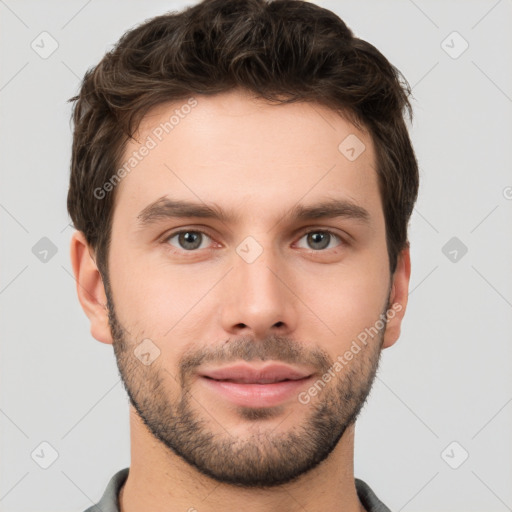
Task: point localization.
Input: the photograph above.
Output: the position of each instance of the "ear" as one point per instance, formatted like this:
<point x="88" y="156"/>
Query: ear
<point x="90" y="288"/>
<point x="398" y="298"/>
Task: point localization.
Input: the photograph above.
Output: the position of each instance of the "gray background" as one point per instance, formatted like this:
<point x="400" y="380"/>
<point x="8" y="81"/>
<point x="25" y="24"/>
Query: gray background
<point x="447" y="379"/>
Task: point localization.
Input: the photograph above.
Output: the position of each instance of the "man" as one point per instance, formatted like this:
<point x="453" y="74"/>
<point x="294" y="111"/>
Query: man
<point x="242" y="180"/>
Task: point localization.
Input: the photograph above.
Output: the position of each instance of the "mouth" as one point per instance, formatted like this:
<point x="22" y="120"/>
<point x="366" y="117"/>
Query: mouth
<point x="251" y="386"/>
<point x="249" y="374"/>
<point x="250" y="380"/>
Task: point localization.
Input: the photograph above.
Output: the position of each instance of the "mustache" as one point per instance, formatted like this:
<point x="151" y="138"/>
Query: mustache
<point x="273" y="347"/>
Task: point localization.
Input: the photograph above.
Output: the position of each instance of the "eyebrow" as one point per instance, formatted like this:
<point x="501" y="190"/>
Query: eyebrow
<point x="167" y="208"/>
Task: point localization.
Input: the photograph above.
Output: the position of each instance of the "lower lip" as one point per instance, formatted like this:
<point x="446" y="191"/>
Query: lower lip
<point x="257" y="395"/>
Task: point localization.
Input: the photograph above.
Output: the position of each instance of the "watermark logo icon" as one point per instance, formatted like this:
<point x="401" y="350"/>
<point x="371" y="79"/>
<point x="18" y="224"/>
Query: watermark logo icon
<point x="351" y="147"/>
<point x="44" y="455"/>
<point x="44" y="45"/>
<point x="454" y="45"/>
<point x="454" y="249"/>
<point x="44" y="250"/>
<point x="249" y="249"/>
<point x="146" y="352"/>
<point x="454" y="455"/>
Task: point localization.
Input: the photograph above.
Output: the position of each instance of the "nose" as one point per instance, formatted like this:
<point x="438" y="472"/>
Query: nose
<point x="258" y="297"/>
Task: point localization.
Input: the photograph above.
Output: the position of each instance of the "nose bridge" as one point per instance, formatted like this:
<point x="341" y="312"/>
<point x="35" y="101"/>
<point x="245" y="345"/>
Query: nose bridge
<point x="257" y="298"/>
<point x="256" y="268"/>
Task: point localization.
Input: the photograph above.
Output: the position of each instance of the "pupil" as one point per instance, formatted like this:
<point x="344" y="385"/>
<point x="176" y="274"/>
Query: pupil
<point x="319" y="238"/>
<point x="189" y="238"/>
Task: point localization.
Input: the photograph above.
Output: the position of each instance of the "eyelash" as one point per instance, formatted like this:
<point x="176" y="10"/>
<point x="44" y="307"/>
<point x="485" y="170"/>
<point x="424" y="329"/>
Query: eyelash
<point x="174" y="250"/>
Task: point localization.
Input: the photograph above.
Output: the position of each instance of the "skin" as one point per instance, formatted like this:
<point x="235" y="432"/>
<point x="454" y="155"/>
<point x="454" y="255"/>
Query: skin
<point x="258" y="161"/>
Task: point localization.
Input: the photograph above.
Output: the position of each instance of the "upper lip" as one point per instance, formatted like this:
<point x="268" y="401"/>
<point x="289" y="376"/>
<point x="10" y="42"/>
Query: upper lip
<point x="248" y="374"/>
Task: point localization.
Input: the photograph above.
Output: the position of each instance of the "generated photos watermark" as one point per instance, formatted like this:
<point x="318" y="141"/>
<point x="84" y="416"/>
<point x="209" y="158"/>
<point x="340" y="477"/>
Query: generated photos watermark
<point x="304" y="397"/>
<point x="151" y="142"/>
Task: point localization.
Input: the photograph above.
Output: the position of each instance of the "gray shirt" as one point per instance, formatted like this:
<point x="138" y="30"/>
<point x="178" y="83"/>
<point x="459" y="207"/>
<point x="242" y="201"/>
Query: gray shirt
<point x="109" y="503"/>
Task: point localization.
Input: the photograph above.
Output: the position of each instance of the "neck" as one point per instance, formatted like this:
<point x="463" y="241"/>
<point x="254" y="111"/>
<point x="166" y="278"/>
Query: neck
<point x="161" y="481"/>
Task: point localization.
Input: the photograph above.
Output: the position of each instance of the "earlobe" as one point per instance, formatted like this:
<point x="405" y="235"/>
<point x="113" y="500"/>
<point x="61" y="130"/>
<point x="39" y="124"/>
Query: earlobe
<point x="398" y="298"/>
<point x="90" y="287"/>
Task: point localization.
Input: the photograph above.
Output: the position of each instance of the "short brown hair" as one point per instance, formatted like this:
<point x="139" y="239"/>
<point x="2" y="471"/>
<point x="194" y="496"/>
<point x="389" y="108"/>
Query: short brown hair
<point x="282" y="50"/>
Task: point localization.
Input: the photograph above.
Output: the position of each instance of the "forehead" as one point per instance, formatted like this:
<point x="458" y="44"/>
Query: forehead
<point x="244" y="153"/>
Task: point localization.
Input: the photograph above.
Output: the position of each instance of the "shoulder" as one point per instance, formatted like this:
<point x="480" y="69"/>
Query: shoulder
<point x="109" y="502"/>
<point x="368" y="498"/>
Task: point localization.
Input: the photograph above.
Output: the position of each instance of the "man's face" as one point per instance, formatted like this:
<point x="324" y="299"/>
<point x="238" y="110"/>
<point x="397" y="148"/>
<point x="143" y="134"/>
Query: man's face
<point x="222" y="331"/>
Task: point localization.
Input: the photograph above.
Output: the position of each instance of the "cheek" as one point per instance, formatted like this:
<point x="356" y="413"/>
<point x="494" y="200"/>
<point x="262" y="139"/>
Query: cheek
<point x="156" y="300"/>
<point x="349" y="300"/>
<point x="350" y="307"/>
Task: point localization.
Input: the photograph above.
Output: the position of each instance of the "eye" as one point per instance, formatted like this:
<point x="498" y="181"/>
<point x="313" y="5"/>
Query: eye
<point x="188" y="240"/>
<point x="320" y="239"/>
<point x="191" y="240"/>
